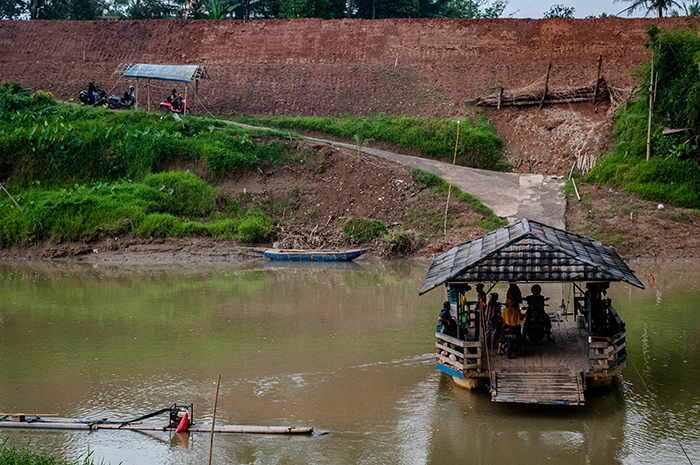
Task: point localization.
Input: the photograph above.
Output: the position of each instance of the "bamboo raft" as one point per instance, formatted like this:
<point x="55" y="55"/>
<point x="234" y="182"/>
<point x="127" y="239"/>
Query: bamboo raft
<point x="39" y="422"/>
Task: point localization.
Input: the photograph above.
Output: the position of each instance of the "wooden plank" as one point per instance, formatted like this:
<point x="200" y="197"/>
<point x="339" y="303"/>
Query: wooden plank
<point x="450" y="339"/>
<point x="451" y="363"/>
<point x="449" y="350"/>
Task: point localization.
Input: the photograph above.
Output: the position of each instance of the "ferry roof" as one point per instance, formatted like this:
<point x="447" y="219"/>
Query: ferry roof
<point x="528" y="251"/>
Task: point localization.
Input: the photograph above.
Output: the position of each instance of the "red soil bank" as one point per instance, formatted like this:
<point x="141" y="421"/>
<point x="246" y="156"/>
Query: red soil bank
<point x="315" y="67"/>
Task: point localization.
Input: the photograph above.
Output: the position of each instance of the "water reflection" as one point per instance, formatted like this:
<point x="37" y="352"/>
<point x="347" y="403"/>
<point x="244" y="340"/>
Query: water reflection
<point x="344" y="350"/>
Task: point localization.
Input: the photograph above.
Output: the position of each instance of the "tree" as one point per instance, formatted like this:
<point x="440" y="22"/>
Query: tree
<point x="12" y="9"/>
<point x="83" y="9"/>
<point x="150" y="9"/>
<point x="213" y="9"/>
<point x="649" y="5"/>
<point x="379" y="9"/>
<point x="560" y="11"/>
<point x="324" y="9"/>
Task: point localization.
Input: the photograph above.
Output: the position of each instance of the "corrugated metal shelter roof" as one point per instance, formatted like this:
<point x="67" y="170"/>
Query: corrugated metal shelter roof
<point x="528" y="251"/>
<point x="184" y="73"/>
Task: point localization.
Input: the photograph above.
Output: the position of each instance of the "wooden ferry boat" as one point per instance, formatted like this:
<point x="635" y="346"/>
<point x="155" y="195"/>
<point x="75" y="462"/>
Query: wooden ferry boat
<point x="587" y="350"/>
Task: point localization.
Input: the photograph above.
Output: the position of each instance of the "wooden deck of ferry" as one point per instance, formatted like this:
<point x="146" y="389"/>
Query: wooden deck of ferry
<point x="546" y="373"/>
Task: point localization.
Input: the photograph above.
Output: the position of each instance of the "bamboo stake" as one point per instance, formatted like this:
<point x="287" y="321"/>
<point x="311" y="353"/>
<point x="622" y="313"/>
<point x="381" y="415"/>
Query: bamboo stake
<point x="449" y="189"/>
<point x="213" y="420"/>
<point x="651" y="105"/>
<point x="597" y="79"/>
<point x="500" y="98"/>
<point x="576" y="189"/>
<point x="13" y="199"/>
<point x="546" y="86"/>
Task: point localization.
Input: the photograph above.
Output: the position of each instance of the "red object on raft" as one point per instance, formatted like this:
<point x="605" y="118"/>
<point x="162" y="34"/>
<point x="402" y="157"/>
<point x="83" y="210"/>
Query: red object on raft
<point x="184" y="423"/>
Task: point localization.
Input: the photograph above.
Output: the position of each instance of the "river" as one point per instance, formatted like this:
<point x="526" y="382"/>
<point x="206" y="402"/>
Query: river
<point x="347" y="351"/>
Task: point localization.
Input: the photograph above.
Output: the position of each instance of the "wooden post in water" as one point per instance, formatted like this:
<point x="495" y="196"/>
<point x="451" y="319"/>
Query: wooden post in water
<point x="213" y="420"/>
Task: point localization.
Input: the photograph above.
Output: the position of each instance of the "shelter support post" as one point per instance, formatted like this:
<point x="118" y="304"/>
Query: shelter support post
<point x="148" y="94"/>
<point x="136" y="95"/>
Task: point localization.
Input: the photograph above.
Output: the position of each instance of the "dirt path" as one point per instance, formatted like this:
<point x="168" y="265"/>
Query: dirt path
<point x="510" y="195"/>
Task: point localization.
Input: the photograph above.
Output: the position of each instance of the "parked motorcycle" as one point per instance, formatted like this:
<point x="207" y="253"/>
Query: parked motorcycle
<point x="510" y="341"/>
<point x="116" y="101"/>
<point x="535" y="329"/>
<point x="167" y="107"/>
<point x="87" y="99"/>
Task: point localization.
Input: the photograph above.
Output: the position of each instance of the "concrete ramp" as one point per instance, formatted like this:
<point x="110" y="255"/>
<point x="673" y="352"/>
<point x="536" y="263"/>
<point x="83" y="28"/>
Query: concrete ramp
<point x="538" y="388"/>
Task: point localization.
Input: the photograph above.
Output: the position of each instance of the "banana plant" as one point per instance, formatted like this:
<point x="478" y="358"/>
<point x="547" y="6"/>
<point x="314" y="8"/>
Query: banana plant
<point x="215" y="10"/>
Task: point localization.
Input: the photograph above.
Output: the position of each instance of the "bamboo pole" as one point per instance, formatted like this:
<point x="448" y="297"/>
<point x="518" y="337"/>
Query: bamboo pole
<point x="597" y="79"/>
<point x="500" y="99"/>
<point x="10" y="195"/>
<point x="576" y="189"/>
<point x="449" y="189"/>
<point x="546" y="85"/>
<point x="651" y="106"/>
<point x="213" y="420"/>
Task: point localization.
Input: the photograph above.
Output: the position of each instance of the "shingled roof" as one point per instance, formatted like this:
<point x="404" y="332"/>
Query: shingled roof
<point x="528" y="251"/>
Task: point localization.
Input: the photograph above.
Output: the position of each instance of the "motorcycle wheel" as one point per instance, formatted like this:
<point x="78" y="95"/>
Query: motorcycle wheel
<point x="187" y="111"/>
<point x="510" y="348"/>
<point x="112" y="105"/>
<point x="164" y="109"/>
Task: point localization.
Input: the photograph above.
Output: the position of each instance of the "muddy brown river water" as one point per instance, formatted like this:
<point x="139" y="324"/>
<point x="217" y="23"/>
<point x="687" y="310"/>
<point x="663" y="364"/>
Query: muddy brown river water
<point x="348" y="351"/>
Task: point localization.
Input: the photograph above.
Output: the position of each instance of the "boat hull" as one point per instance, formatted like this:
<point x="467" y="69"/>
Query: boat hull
<point x="311" y="256"/>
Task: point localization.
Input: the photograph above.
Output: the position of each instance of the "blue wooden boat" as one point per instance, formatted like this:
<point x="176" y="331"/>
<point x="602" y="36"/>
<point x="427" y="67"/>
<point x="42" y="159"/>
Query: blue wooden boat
<point x="287" y="255"/>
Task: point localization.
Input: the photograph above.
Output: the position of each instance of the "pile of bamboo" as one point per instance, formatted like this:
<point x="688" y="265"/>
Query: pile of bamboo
<point x="539" y="93"/>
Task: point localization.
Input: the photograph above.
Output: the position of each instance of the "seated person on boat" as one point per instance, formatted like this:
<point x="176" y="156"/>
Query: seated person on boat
<point x="535" y="309"/>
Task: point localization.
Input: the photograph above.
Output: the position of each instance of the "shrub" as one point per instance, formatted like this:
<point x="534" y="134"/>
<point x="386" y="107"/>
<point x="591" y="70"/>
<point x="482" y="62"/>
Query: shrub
<point x="255" y="227"/>
<point x="363" y="230"/>
<point x="159" y="225"/>
<point x="187" y="195"/>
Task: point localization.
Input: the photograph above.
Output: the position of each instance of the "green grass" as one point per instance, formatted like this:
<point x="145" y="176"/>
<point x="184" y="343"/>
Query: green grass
<point x="360" y="230"/>
<point x="28" y="456"/>
<point x="664" y="178"/>
<point x="489" y="220"/>
<point x="479" y="145"/>
<point x="58" y="144"/>
<point x="166" y="204"/>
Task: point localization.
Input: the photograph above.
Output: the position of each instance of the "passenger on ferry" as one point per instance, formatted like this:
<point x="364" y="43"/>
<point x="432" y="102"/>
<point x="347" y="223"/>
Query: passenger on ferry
<point x="449" y="325"/>
<point x="480" y="307"/>
<point x="511" y="314"/>
<point x="493" y="321"/>
<point x="535" y="309"/>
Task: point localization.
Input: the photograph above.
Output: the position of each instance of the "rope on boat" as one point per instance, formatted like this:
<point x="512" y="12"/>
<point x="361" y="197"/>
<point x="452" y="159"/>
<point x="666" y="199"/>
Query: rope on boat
<point x="663" y="415"/>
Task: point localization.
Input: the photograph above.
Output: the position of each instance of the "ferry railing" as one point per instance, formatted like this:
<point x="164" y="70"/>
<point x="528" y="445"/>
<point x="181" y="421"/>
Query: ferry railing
<point x="459" y="355"/>
<point x="608" y="355"/>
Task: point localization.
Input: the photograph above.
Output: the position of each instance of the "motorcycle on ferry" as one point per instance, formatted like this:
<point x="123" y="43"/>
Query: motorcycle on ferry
<point x="510" y="341"/>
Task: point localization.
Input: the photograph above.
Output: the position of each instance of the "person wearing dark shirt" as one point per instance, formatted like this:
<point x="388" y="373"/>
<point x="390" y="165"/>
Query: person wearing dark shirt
<point x="128" y="96"/>
<point x="535" y="309"/>
<point x="92" y="90"/>
<point x="449" y="325"/>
